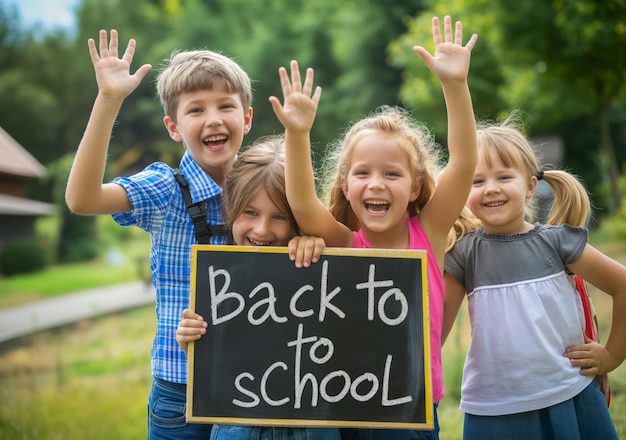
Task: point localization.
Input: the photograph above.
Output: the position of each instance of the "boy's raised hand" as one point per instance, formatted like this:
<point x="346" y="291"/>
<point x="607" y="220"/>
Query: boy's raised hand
<point x="113" y="73"/>
<point x="451" y="60"/>
<point x="298" y="112"/>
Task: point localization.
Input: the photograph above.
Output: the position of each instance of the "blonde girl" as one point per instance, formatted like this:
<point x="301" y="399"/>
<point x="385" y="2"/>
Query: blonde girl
<point x="530" y="371"/>
<point x="385" y="184"/>
<point x="257" y="214"/>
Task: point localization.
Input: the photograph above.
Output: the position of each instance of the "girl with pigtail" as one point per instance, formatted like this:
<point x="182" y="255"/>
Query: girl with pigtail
<point x="530" y="370"/>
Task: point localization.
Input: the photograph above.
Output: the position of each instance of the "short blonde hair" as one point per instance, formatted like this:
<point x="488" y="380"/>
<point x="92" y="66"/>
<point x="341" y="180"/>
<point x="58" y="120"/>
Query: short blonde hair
<point x="508" y="142"/>
<point x="193" y="70"/>
<point x="260" y="166"/>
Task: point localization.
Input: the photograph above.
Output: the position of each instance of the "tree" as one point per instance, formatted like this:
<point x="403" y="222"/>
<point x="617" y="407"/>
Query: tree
<point x="78" y="235"/>
<point x="421" y="90"/>
<point x="560" y="62"/>
<point x="580" y="46"/>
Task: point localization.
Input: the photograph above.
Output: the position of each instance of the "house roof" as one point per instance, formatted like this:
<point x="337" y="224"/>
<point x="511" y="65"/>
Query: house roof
<point x="10" y="205"/>
<point x="16" y="161"/>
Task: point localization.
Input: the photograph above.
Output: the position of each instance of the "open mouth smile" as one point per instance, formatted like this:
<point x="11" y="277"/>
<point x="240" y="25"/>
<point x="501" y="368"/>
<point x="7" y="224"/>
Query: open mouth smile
<point x="215" y="142"/>
<point x="258" y="243"/>
<point x="494" y="204"/>
<point x="376" y="206"/>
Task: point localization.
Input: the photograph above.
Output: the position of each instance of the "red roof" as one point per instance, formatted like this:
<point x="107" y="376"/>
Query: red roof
<point x="15" y="160"/>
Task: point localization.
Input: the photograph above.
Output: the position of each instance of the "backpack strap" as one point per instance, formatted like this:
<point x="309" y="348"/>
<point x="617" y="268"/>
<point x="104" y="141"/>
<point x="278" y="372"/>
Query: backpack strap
<point x="197" y="211"/>
<point x="591" y="326"/>
<point x="591" y="331"/>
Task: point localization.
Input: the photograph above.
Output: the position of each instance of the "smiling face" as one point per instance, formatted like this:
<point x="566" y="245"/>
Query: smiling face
<point x="379" y="184"/>
<point x="262" y="224"/>
<point x="499" y="195"/>
<point x="211" y="124"/>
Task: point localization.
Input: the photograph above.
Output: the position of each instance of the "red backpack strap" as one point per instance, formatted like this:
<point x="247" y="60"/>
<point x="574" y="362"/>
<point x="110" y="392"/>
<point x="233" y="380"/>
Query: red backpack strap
<point x="590" y="325"/>
<point x="591" y="331"/>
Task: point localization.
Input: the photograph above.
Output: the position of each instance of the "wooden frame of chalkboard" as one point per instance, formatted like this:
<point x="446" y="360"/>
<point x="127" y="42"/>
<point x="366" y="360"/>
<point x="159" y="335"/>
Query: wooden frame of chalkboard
<point x="342" y="343"/>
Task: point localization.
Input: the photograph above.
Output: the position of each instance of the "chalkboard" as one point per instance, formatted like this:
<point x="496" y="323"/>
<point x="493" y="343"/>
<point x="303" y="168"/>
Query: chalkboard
<point x="343" y="343"/>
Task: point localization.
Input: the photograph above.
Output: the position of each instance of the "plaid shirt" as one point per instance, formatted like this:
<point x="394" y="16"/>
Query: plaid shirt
<point x="159" y="209"/>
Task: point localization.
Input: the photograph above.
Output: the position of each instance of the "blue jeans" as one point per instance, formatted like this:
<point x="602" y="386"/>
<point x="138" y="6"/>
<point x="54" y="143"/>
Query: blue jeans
<point x="583" y="417"/>
<point x="232" y="432"/>
<point x="392" y="434"/>
<point x="167" y="411"/>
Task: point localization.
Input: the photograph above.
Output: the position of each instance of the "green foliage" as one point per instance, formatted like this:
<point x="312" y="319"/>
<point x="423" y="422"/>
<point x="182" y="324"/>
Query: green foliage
<point x="564" y="65"/>
<point x="580" y="47"/>
<point x="23" y="256"/>
<point x="77" y="236"/>
<point x="558" y="64"/>
<point x="618" y="223"/>
<point x="77" y="240"/>
<point x="421" y="90"/>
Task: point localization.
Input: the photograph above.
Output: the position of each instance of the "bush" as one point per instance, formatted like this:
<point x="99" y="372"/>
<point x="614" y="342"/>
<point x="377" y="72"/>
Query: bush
<point x="619" y="221"/>
<point x="78" y="238"/>
<point x="23" y="256"/>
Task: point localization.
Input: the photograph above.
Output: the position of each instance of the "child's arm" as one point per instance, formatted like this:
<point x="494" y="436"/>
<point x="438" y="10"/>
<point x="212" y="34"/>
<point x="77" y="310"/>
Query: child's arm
<point x="305" y="250"/>
<point x="609" y="276"/>
<point x="297" y="115"/>
<point x="85" y="192"/>
<point x="451" y="66"/>
<point x="190" y="328"/>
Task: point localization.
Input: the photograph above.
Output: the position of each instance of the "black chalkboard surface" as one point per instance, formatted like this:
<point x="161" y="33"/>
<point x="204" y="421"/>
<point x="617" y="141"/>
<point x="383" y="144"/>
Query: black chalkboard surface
<point x="341" y="343"/>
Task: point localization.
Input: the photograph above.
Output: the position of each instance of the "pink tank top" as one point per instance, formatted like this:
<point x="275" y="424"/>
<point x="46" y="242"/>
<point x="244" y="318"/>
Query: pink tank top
<point x="418" y="240"/>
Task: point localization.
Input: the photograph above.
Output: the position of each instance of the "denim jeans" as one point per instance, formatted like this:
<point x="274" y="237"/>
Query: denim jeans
<point x="232" y="432"/>
<point x="392" y="434"/>
<point x="167" y="411"/>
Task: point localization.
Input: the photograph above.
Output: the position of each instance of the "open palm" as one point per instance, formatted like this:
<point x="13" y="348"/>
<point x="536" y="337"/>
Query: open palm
<point x="298" y="112"/>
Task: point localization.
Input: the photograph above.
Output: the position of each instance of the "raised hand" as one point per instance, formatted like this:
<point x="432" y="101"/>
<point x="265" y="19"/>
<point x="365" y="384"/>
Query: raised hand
<point x="298" y="112"/>
<point x="451" y="60"/>
<point x="112" y="73"/>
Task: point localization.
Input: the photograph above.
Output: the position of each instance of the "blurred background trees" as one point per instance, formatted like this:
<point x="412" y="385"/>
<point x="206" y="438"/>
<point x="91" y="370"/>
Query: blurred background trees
<point x="562" y="62"/>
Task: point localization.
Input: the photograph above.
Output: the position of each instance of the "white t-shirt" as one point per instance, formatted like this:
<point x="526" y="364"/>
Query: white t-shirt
<point x="523" y="313"/>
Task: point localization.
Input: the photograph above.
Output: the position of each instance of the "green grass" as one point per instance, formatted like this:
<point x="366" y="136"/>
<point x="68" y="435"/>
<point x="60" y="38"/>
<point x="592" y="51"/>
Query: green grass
<point x="70" y="413"/>
<point x="59" y="280"/>
<point x="90" y="380"/>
